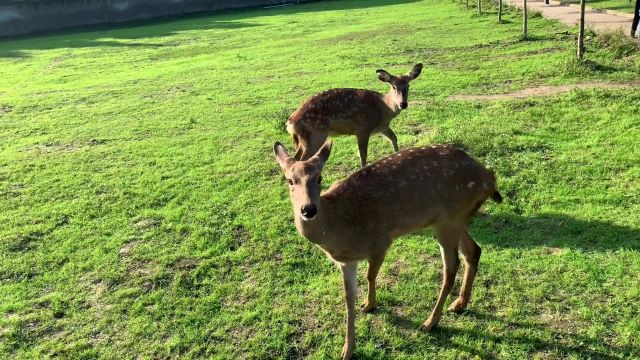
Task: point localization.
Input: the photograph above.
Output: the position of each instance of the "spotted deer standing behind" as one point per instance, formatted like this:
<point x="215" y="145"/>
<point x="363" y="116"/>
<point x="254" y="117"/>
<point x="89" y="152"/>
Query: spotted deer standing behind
<point x="350" y="112"/>
<point x="358" y="218"/>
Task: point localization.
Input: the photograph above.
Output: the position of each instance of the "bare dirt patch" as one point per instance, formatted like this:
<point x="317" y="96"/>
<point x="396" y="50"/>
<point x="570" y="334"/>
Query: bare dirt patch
<point x="55" y="147"/>
<point x="5" y="109"/>
<point x="541" y="91"/>
<point x="96" y="292"/>
<point x="147" y="224"/>
<point x="125" y="250"/>
<point x="57" y="62"/>
<point x="555" y="251"/>
<point x="186" y="264"/>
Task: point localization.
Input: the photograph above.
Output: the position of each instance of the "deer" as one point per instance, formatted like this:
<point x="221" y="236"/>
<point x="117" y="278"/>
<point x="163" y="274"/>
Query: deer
<point x="350" y="112"/>
<point x="358" y="218"/>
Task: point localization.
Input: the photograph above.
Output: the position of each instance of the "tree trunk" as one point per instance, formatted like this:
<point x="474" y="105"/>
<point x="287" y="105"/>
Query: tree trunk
<point x="480" y="6"/>
<point x="500" y="10"/>
<point x="636" y="19"/>
<point x="525" y="19"/>
<point x="467" y="4"/>
<point x="581" y="33"/>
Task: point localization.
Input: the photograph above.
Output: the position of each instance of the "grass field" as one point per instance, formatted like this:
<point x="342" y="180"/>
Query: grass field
<point x="142" y="214"/>
<point x="626" y="6"/>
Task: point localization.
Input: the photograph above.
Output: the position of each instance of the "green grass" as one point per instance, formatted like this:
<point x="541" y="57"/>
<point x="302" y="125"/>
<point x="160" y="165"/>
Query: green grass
<point x="625" y="6"/>
<point x="142" y="213"/>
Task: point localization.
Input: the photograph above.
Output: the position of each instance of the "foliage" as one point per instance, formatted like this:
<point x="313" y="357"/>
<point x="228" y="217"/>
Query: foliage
<point x="618" y="43"/>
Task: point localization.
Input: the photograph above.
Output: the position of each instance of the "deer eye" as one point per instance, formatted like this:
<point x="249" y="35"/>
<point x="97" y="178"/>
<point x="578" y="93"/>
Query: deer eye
<point x="290" y="181"/>
<point x="319" y="179"/>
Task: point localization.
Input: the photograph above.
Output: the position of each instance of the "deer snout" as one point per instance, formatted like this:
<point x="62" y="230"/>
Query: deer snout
<point x="308" y="212"/>
<point x="403" y="105"/>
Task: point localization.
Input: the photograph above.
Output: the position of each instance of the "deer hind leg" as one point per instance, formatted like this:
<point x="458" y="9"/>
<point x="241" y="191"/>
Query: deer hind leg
<point x="349" y="277"/>
<point x="312" y="145"/>
<point x="389" y="134"/>
<point x="372" y="273"/>
<point x="471" y="253"/>
<point x="363" y="145"/>
<point x="448" y="237"/>
<point x="298" y="147"/>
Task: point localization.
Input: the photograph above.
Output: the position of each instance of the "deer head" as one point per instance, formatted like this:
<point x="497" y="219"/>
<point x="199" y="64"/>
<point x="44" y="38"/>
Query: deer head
<point x="304" y="179"/>
<point x="400" y="84"/>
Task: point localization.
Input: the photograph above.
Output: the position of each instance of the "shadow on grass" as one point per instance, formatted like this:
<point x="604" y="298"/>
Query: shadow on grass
<point x="551" y="230"/>
<point x="625" y="7"/>
<point x="568" y="344"/>
<point x="107" y="35"/>
<point x="113" y="36"/>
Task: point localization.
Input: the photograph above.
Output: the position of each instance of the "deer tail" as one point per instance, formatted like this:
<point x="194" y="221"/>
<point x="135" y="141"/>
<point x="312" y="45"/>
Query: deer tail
<point x="496" y="197"/>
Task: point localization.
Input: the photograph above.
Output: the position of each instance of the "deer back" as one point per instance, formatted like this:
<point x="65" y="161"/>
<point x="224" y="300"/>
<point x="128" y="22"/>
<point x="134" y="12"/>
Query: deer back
<point x="410" y="190"/>
<point x="339" y="111"/>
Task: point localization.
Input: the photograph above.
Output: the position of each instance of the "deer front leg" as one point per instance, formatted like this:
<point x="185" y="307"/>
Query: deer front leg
<point x="448" y="240"/>
<point x="349" y="277"/>
<point x="389" y="134"/>
<point x="363" y="144"/>
<point x="372" y="273"/>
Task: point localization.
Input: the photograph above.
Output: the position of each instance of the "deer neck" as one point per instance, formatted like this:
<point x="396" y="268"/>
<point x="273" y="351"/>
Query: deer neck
<point x="390" y="103"/>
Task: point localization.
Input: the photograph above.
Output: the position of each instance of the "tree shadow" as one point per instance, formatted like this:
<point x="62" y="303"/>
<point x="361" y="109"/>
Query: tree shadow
<point x="534" y="336"/>
<point x="333" y="5"/>
<point x="120" y="35"/>
<point x="157" y="28"/>
<point x="566" y="343"/>
<point x="628" y="6"/>
<point x="554" y="230"/>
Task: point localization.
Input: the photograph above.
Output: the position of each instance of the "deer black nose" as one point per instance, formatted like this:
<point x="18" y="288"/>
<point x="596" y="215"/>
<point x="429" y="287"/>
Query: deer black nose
<point x="309" y="211"/>
<point x="404" y="105"/>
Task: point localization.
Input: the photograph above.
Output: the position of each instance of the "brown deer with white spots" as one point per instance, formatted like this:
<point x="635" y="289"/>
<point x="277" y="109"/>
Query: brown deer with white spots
<point x="358" y="218"/>
<point x="350" y="112"/>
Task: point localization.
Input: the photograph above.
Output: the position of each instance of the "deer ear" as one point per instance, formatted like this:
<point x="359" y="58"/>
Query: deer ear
<point x="415" y="72"/>
<point x="383" y="75"/>
<point x="323" y="154"/>
<point x="282" y="157"/>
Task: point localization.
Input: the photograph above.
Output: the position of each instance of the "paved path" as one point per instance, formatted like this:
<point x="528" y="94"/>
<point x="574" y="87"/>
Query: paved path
<point x="570" y="15"/>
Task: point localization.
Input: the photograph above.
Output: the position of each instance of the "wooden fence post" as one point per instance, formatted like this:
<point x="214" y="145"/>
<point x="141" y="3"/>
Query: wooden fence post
<point x="581" y="48"/>
<point x="525" y="20"/>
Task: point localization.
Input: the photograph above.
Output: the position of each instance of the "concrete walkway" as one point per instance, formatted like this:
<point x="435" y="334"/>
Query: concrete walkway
<point x="598" y="20"/>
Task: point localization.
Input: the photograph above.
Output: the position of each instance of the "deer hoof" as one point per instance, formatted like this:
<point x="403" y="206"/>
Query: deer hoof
<point x="431" y="323"/>
<point x="368" y="307"/>
<point x="458" y="306"/>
